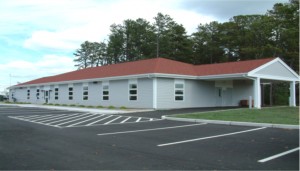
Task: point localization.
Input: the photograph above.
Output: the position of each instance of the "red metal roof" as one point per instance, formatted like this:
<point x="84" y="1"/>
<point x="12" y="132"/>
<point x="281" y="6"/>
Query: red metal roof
<point x="154" y="65"/>
<point x="230" y="67"/>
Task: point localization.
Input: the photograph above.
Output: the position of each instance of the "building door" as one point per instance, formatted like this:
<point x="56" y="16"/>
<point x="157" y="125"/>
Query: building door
<point x="46" y="96"/>
<point x="229" y="97"/>
<point x="224" y="98"/>
<point x="218" y="96"/>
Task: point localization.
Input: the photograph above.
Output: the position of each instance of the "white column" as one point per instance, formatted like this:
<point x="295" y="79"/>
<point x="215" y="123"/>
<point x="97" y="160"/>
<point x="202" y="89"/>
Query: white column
<point x="257" y="95"/>
<point x="154" y="93"/>
<point x="292" y="94"/>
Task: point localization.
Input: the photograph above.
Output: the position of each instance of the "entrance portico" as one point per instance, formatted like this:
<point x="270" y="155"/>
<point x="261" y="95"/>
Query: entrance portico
<point x="274" y="71"/>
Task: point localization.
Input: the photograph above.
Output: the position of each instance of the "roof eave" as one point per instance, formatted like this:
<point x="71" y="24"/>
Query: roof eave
<point x="148" y="75"/>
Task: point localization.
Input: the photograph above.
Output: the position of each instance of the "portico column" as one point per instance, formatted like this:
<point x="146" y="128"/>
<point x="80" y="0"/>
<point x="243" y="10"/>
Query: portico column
<point x="292" y="94"/>
<point x="257" y="95"/>
<point x="154" y="93"/>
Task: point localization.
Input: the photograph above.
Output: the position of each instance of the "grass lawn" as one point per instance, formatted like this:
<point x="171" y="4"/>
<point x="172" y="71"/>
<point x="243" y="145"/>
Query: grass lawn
<point x="274" y="115"/>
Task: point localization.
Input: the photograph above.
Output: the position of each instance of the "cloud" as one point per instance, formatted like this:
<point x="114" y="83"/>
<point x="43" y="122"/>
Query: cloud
<point x="223" y="10"/>
<point x="95" y="22"/>
<point x="66" y="40"/>
<point x="22" y="71"/>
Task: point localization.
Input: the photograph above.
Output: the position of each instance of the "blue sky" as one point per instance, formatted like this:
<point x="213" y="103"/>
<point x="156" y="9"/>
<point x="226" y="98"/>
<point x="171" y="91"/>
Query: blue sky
<point x="38" y="37"/>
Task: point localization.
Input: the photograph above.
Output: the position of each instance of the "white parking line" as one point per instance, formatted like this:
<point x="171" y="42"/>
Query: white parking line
<point x="53" y="118"/>
<point x="36" y="117"/>
<point x="67" y="118"/>
<point x="150" y="129"/>
<point x="125" y="120"/>
<point x="74" y="120"/>
<point x="112" y="120"/>
<point x="222" y="135"/>
<point x="84" y="121"/>
<point x="278" y="155"/>
<point x="99" y="120"/>
<point x="46" y="117"/>
<point x="32" y="116"/>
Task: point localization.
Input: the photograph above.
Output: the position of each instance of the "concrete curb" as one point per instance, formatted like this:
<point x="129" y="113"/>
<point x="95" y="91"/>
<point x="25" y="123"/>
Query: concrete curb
<point x="106" y="111"/>
<point x="233" y="123"/>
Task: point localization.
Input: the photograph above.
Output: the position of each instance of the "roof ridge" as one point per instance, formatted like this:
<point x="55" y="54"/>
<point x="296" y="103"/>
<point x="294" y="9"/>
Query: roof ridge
<point x="125" y="62"/>
<point x="176" y="61"/>
<point x="237" y="61"/>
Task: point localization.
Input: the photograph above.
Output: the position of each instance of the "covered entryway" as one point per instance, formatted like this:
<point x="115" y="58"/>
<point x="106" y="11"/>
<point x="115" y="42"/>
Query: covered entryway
<point x="273" y="71"/>
<point x="230" y="89"/>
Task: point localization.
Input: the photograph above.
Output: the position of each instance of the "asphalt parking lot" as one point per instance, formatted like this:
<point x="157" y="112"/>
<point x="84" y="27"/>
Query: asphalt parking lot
<point x="35" y="138"/>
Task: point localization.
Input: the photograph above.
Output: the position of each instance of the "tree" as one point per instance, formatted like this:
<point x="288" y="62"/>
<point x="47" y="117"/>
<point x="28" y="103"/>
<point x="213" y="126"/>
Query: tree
<point x="83" y="55"/>
<point x="176" y="45"/>
<point x="207" y="42"/>
<point x="161" y="23"/>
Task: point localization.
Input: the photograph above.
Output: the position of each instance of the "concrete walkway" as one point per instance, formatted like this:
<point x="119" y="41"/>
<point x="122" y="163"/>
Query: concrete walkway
<point x="81" y="109"/>
<point x="233" y="123"/>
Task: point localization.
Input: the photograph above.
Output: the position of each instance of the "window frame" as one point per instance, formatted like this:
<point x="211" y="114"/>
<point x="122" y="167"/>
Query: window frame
<point x="132" y="82"/>
<point x="70" y="86"/>
<point x="181" y="82"/>
<point x="28" y="94"/>
<point x="56" y="97"/>
<point x="83" y="91"/>
<point x="105" y="83"/>
<point x="37" y="93"/>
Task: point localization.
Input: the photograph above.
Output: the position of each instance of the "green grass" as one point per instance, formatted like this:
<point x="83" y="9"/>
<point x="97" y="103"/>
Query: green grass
<point x="90" y="107"/>
<point x="111" y="107"/>
<point x="99" y="106"/>
<point x="72" y="105"/>
<point x="275" y="115"/>
<point x="64" y="105"/>
<point x="81" y="106"/>
<point x="57" y="104"/>
<point x="123" y="107"/>
<point x="44" y="103"/>
<point x="50" y="103"/>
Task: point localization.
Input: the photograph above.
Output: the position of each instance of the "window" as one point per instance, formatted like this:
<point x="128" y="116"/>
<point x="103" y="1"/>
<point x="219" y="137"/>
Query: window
<point x="105" y="90"/>
<point x="85" y="91"/>
<point x="56" y="93"/>
<point x="28" y="94"/>
<point x="70" y="93"/>
<point x="37" y="93"/>
<point x="179" y="90"/>
<point x="132" y="91"/>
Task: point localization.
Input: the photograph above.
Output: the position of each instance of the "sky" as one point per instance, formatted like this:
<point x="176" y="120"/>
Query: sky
<point x="38" y="37"/>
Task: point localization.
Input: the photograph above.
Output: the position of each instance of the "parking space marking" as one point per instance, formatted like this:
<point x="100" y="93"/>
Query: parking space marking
<point x="222" y="135"/>
<point x="112" y="120"/>
<point x="68" y="118"/>
<point x="85" y="120"/>
<point x="151" y="129"/>
<point x="99" y="120"/>
<point x="138" y="120"/>
<point x="278" y="155"/>
<point x="80" y="119"/>
<point x="36" y="118"/>
<point x="75" y="120"/>
<point x="125" y="120"/>
<point x="52" y="118"/>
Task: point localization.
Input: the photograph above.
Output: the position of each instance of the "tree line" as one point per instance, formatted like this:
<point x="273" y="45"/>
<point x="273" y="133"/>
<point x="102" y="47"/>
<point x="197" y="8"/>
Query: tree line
<point x="243" y="37"/>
